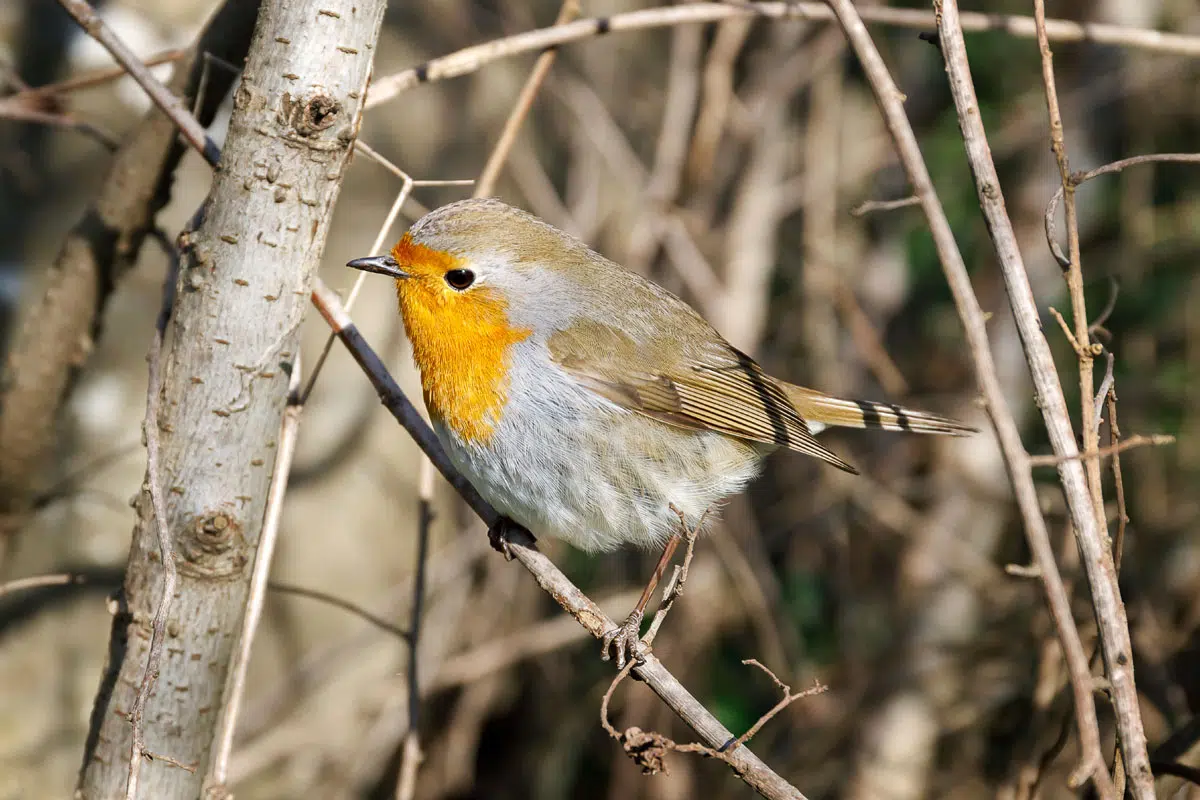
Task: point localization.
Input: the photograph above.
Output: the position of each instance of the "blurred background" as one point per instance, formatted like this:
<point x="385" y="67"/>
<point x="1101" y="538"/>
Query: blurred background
<point x="727" y="162"/>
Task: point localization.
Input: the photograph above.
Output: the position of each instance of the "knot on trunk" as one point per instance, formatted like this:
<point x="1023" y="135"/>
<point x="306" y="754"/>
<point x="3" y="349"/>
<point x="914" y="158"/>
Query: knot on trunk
<point x="212" y="546"/>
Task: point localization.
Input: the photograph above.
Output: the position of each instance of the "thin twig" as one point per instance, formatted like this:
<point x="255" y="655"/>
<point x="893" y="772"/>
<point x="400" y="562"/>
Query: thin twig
<point x="1114" y="441"/>
<point x="38" y="581"/>
<point x="235" y="682"/>
<point x="512" y="126"/>
<point x="1133" y="161"/>
<point x="873" y="206"/>
<point x="1106" y="383"/>
<point x="1155" y="440"/>
<point x="674" y="588"/>
<point x="1066" y="329"/>
<point x="171" y="105"/>
<point x="470" y="59"/>
<point x="788" y="698"/>
<point x="1071" y="180"/>
<point x="339" y="602"/>
<point x="745" y="764"/>
<point x="1109" y="307"/>
<point x="12" y="110"/>
<point x="380" y="237"/>
<point x="174" y="762"/>
<point x="403" y="197"/>
<point x="1073" y="267"/>
<point x="1023" y="570"/>
<point x="41" y="94"/>
<point x="406" y="784"/>
<point x="166" y="549"/>
<point x="648" y="749"/>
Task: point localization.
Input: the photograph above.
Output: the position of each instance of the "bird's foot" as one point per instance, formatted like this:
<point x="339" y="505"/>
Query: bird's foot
<point x="625" y="641"/>
<point x="500" y="533"/>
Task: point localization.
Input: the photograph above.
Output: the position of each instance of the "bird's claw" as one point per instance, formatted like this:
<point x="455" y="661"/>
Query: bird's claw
<point x="498" y="536"/>
<point x="625" y="641"/>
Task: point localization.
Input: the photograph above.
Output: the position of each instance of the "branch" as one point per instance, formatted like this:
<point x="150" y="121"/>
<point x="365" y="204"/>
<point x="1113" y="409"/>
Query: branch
<point x="411" y="754"/>
<point x="36" y="95"/>
<point x="1154" y="440"/>
<point x="163" y="97"/>
<point x="648" y="749"/>
<point x="891" y="103"/>
<point x="1092" y="539"/>
<point x="342" y="603"/>
<point x="874" y="206"/>
<point x="1075" y="179"/>
<point x="470" y="59"/>
<point x="1072" y="267"/>
<point x="747" y="765"/>
<point x="1081" y="479"/>
<point x="38" y="581"/>
<point x="11" y="108"/>
<point x="512" y="126"/>
<point x="1114" y="441"/>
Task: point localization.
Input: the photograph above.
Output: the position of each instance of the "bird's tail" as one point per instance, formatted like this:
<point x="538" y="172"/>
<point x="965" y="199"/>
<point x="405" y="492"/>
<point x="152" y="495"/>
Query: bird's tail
<point x="821" y="411"/>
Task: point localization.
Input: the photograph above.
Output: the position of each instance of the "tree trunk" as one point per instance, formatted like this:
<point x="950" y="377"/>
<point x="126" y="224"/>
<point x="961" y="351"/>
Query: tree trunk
<point x="243" y="289"/>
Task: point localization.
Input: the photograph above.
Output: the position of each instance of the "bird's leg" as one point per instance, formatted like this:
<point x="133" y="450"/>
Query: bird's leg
<point x="499" y="533"/>
<point x="627" y="637"/>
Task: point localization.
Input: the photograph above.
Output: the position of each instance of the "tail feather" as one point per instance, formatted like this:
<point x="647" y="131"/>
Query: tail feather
<point x="820" y="411"/>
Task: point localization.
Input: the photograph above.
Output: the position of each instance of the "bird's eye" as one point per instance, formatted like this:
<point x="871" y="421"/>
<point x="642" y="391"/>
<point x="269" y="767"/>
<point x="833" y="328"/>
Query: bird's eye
<point x="460" y="278"/>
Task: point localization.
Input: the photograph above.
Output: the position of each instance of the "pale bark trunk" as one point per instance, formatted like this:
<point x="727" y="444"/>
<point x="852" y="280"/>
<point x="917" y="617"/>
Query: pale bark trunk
<point x="243" y="290"/>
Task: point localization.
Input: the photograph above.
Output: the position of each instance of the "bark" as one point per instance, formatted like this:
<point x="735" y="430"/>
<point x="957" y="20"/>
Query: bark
<point x="242" y="292"/>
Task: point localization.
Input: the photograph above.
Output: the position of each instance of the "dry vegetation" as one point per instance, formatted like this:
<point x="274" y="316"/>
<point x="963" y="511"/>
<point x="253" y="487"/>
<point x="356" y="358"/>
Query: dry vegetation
<point x="745" y="164"/>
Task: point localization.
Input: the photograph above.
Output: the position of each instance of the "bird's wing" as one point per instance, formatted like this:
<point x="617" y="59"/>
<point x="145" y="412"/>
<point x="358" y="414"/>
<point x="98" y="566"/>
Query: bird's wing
<point x="709" y="386"/>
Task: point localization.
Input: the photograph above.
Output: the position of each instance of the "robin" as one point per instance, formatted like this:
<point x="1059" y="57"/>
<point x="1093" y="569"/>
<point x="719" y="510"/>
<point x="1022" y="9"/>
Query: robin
<point x="585" y="402"/>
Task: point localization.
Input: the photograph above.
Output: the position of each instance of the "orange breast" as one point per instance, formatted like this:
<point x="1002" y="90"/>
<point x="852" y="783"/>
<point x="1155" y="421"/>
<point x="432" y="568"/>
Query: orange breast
<point x="462" y="343"/>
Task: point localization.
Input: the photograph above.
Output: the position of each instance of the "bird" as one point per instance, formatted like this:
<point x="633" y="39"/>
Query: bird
<point x="584" y="401"/>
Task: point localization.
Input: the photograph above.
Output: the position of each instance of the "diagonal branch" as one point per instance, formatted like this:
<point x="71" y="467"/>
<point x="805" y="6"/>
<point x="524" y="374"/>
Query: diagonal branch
<point x="163" y="97"/>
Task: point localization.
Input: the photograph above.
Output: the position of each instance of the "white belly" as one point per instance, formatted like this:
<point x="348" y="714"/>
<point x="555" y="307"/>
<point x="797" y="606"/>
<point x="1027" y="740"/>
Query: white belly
<point x="569" y="464"/>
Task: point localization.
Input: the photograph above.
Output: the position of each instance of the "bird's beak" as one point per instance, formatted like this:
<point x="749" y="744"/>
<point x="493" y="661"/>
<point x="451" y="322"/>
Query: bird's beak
<point x="384" y="265"/>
